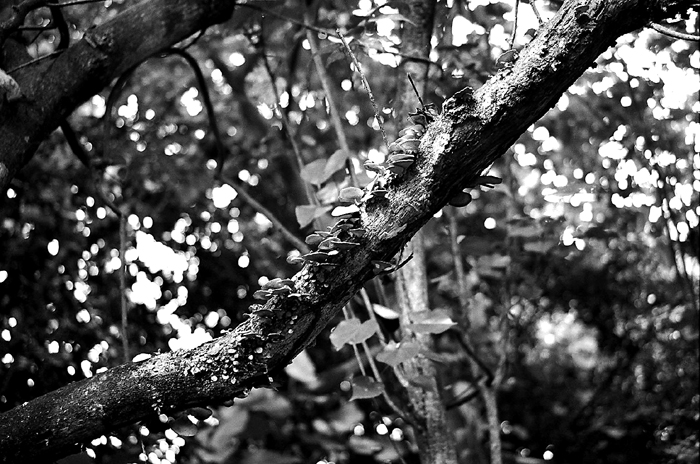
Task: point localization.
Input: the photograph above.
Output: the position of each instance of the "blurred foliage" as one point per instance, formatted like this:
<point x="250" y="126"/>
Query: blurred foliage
<point x="582" y="268"/>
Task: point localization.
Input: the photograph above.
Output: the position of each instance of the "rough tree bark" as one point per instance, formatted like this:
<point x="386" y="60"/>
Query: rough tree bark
<point x="474" y="129"/>
<point x="436" y="443"/>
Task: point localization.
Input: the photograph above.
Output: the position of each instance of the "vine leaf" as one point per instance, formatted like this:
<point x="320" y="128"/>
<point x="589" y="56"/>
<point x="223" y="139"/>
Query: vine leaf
<point x="352" y="331"/>
<point x="313" y="172"/>
<point x="307" y="213"/>
<point x="365" y="387"/>
<point x="431" y="322"/>
<point x="303" y="370"/>
<point x="394" y="353"/>
<point x="335" y="163"/>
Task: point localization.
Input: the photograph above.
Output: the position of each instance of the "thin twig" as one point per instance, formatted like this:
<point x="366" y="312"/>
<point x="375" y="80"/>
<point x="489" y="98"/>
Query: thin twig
<point x="122" y="288"/>
<point x="365" y="84"/>
<point x="515" y="25"/>
<point x="372" y="316"/>
<point x="255" y="204"/>
<point x="673" y="33"/>
<point x="415" y="90"/>
<point x="537" y="13"/>
<point x="20" y="11"/>
<point x="35" y="60"/>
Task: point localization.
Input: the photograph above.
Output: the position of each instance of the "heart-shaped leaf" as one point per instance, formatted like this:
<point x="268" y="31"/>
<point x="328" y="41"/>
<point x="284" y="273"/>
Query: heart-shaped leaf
<point x="335" y="163"/>
<point x="313" y="172"/>
<point x="365" y="387"/>
<point x="394" y="353"/>
<point x="352" y="331"/>
<point x="307" y="213"/>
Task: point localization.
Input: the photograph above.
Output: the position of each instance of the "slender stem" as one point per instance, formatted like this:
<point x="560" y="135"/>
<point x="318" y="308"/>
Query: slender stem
<point x="365" y="84"/>
<point x="515" y="24"/>
<point x="537" y="13"/>
<point x="34" y="61"/>
<point x="286" y="127"/>
<point x="372" y="316"/>
<point x="328" y="89"/>
<point x="252" y="202"/>
<point x="122" y="288"/>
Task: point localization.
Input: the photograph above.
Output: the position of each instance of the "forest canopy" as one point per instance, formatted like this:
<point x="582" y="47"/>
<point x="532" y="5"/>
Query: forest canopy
<point x="241" y="180"/>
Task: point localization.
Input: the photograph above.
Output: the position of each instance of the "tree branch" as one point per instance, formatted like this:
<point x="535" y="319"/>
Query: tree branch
<point x="474" y="129"/>
<point x="53" y="89"/>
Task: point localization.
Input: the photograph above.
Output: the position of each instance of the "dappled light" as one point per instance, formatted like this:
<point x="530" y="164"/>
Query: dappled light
<point x="562" y="283"/>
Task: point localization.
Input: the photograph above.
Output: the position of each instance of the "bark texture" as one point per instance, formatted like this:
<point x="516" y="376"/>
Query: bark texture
<point x="436" y="443"/>
<point x="474" y="129"/>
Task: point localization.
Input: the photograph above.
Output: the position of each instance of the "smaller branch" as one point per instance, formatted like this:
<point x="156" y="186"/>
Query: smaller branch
<point x="252" y="202"/>
<point x="20" y="12"/>
<point x="673" y="33"/>
<point x="35" y="60"/>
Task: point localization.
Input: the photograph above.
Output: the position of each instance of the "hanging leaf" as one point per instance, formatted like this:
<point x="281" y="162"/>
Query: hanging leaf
<point x="335" y="163"/>
<point x="313" y="172"/>
<point x="303" y="370"/>
<point x="307" y="213"/>
<point x="431" y="322"/>
<point x="352" y="331"/>
<point x="364" y="387"/>
<point x="394" y="353"/>
<point x="386" y="313"/>
<point x="345" y="418"/>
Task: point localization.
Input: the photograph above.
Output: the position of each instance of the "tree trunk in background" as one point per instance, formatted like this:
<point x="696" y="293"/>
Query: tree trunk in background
<point x="435" y="441"/>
